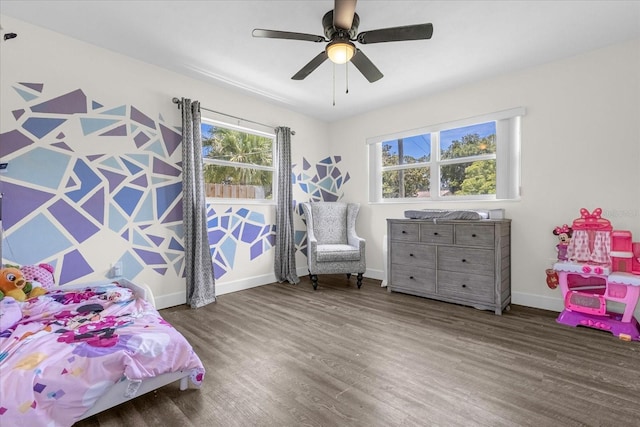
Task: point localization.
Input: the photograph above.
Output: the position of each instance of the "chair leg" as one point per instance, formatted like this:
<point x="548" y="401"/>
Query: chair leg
<point x="314" y="281"/>
<point x="359" y="280"/>
<point x="348" y="276"/>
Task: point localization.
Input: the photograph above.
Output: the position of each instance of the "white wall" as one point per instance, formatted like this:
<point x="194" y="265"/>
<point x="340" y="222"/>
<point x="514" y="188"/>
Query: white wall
<point x="580" y="148"/>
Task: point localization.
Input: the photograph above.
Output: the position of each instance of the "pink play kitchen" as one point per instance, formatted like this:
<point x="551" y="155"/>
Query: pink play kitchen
<point x="598" y="271"/>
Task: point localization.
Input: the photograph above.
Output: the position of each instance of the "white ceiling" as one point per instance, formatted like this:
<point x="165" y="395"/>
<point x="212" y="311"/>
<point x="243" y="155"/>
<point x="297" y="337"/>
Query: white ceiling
<point x="212" y="41"/>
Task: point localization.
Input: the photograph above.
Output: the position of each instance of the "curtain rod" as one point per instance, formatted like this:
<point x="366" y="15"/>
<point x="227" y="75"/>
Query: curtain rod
<point x="177" y="101"/>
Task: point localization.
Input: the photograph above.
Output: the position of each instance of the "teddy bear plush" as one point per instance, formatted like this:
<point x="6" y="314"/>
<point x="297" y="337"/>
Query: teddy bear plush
<point x="13" y="284"/>
<point x="39" y="275"/>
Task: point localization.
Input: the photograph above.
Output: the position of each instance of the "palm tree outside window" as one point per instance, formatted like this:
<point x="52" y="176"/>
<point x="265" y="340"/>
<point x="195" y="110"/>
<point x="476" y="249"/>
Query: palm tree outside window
<point x="238" y="162"/>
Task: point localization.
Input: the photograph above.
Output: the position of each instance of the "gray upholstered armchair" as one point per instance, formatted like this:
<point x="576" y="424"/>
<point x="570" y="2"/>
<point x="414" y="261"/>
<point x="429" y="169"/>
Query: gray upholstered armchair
<point x="332" y="243"/>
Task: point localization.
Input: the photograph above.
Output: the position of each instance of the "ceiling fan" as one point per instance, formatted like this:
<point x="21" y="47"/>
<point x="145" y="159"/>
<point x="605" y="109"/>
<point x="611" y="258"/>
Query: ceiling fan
<point x="340" y="31"/>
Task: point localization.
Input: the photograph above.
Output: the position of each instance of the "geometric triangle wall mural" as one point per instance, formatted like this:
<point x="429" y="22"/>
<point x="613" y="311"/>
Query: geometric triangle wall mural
<point x="61" y="152"/>
<point x="83" y="171"/>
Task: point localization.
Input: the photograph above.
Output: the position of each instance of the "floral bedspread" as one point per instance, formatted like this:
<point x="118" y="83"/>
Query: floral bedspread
<point x="71" y="346"/>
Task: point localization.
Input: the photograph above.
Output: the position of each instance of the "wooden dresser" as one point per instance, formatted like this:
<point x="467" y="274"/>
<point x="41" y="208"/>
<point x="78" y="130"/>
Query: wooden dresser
<point x="463" y="262"/>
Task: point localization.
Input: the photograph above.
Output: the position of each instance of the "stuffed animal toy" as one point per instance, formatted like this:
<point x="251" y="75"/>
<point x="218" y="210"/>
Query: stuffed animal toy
<point x="12" y="284"/>
<point x="39" y="275"/>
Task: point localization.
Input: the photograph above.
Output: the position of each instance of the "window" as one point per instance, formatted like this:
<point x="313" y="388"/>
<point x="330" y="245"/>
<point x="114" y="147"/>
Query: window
<point x="471" y="159"/>
<point x="238" y="162"/>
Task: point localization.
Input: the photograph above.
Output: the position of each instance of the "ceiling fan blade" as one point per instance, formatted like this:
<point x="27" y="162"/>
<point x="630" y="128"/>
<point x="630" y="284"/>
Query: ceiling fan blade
<point x="273" y="34"/>
<point x="366" y="67"/>
<point x="343" y="11"/>
<point x="312" y="65"/>
<point x="395" y="34"/>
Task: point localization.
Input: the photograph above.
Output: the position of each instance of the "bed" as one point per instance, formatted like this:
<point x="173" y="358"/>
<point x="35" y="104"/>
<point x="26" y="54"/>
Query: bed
<point x="81" y="349"/>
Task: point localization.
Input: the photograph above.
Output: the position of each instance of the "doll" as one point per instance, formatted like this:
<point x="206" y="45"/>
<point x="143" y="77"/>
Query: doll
<point x="564" y="236"/>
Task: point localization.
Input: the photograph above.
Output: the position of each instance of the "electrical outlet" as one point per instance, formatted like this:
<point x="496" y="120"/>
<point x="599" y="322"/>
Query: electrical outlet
<point x="116" y="269"/>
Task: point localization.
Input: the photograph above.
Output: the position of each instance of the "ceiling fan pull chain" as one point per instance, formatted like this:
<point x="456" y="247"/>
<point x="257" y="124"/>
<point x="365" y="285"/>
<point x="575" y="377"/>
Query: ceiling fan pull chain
<point x="334" y="84"/>
<point x="346" y="67"/>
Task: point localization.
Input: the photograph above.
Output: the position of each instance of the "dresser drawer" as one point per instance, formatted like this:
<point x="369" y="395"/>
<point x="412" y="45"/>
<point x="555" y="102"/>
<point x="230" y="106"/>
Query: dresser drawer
<point x="405" y="232"/>
<point x="475" y="235"/>
<point x="413" y="254"/>
<point x="418" y="280"/>
<point x="440" y="234"/>
<point x="467" y="286"/>
<point x="466" y="260"/>
<point x="462" y="262"/>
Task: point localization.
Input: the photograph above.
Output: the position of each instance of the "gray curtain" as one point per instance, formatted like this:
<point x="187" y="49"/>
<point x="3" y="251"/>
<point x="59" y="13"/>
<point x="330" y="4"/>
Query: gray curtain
<point x="198" y="264"/>
<point x="285" y="258"/>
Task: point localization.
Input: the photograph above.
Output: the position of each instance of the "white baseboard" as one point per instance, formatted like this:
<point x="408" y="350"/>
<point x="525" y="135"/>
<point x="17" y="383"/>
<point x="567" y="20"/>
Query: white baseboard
<point x="171" y="300"/>
<point x="248" y="283"/>
<point x="370" y="274"/>
<point x="179" y="298"/>
<point x="375" y="274"/>
<point x="537" y="301"/>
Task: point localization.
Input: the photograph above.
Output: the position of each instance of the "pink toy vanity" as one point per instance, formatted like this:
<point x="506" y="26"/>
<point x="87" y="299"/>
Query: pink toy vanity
<point x="602" y="272"/>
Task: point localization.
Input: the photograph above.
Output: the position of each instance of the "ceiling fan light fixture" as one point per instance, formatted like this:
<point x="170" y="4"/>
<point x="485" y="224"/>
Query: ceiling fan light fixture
<point x="340" y="30"/>
<point x="340" y="51"/>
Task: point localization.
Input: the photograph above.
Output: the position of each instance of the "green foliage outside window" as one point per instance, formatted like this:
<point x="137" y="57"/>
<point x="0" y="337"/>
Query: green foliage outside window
<point x="465" y="178"/>
<point x="248" y="153"/>
<point x="415" y="180"/>
<point x="477" y="177"/>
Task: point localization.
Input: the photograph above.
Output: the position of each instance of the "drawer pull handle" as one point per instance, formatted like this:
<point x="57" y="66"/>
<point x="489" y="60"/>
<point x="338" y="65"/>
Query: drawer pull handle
<point x="464" y="286"/>
<point x="410" y="254"/>
<point x="464" y="260"/>
<point x="473" y="235"/>
<point x="404" y="232"/>
<point x="411" y="277"/>
<point x="435" y="233"/>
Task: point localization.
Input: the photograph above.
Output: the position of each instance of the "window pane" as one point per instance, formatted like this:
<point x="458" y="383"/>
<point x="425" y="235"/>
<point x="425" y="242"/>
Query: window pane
<point x="470" y="178"/>
<point x="465" y="157"/>
<point x="236" y="146"/>
<point x="390" y="153"/>
<point x="417" y="148"/>
<point x="206" y="130"/>
<point x="237" y="182"/>
<point x="468" y="141"/>
<point x="408" y="150"/>
<point x="409" y="183"/>
<point x="252" y="152"/>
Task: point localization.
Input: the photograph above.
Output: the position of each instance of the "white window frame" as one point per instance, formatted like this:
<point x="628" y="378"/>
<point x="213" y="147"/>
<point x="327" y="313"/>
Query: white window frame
<point x="217" y="162"/>
<point x="507" y="158"/>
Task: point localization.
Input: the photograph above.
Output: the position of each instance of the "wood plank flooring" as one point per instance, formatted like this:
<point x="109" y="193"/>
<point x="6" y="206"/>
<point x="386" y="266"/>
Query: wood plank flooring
<point x="283" y="355"/>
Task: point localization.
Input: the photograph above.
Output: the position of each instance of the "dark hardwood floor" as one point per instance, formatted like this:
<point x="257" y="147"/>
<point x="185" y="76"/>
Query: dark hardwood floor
<point x="282" y="355"/>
